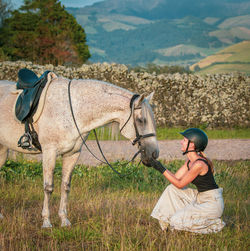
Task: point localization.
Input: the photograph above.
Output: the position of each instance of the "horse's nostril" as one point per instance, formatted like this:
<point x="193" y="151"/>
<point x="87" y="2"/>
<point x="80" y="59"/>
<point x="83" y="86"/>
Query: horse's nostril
<point x="155" y="155"/>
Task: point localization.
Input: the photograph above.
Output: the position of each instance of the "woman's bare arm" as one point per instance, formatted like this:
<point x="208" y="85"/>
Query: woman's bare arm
<point x="183" y="179"/>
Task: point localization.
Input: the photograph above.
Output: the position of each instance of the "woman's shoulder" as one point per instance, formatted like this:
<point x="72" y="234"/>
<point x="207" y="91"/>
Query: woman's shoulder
<point x="201" y="163"/>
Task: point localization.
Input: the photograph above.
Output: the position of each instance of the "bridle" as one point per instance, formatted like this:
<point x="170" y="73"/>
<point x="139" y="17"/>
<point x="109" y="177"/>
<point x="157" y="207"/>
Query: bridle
<point x="138" y="135"/>
<point x="136" y="140"/>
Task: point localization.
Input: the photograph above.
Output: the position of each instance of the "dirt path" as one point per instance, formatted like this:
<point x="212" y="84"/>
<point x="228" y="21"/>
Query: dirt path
<point x="225" y="149"/>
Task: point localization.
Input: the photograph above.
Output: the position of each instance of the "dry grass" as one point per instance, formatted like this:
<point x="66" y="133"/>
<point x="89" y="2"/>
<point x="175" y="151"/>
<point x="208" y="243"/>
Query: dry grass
<point x="110" y="213"/>
<point x="225" y="68"/>
<point x="237" y="56"/>
<point x="210" y="60"/>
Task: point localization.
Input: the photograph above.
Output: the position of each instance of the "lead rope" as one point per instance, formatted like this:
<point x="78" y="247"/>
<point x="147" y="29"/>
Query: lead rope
<point x="97" y="141"/>
<point x="121" y="175"/>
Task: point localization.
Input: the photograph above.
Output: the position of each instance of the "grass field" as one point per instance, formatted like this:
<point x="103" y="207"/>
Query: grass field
<point x="112" y="213"/>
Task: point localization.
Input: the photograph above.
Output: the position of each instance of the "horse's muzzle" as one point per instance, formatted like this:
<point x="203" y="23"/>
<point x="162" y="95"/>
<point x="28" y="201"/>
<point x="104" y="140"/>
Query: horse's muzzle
<point x="147" y="157"/>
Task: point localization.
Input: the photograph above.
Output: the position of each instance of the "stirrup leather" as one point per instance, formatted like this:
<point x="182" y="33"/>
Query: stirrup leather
<point x="30" y="138"/>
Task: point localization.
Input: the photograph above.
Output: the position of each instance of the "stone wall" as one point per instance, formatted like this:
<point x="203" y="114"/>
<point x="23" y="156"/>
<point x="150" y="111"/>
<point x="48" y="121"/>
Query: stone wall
<point x="212" y="101"/>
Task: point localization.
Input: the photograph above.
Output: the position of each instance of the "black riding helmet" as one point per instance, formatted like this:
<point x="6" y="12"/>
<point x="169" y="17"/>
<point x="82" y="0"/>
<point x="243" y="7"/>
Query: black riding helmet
<point x="198" y="137"/>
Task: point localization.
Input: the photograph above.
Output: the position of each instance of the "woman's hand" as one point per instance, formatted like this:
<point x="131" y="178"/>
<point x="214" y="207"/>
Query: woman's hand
<point x="156" y="165"/>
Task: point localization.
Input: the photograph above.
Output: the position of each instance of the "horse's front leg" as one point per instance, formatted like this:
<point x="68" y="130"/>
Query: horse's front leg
<point x="49" y="161"/>
<point x="3" y="157"/>
<point x="67" y="168"/>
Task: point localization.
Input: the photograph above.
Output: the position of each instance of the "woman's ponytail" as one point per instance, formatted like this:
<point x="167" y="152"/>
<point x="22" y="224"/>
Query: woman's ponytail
<point x="202" y="154"/>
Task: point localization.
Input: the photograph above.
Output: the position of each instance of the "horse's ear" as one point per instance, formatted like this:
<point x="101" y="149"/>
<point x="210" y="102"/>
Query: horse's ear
<point x="140" y="100"/>
<point x="149" y="98"/>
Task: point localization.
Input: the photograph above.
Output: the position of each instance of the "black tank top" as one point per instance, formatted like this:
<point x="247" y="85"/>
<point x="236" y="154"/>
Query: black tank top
<point x="204" y="182"/>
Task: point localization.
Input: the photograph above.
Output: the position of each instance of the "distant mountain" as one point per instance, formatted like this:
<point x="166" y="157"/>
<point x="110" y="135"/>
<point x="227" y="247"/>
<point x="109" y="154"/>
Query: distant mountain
<point x="138" y="32"/>
<point x="161" y="9"/>
<point x="232" y="58"/>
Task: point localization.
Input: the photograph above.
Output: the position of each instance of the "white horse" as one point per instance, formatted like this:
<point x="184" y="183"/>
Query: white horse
<point x="94" y="103"/>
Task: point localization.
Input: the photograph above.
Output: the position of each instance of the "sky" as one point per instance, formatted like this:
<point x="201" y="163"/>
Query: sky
<point x="67" y="3"/>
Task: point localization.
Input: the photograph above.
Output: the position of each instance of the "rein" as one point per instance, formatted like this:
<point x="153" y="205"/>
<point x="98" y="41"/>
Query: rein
<point x="137" y="139"/>
<point x="97" y="141"/>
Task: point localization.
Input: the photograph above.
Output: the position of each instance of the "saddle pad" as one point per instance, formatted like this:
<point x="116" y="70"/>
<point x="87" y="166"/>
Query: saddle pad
<point x="50" y="77"/>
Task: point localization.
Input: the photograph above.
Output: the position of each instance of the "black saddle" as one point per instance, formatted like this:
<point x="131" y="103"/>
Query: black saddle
<point x="27" y="103"/>
<point x="32" y="87"/>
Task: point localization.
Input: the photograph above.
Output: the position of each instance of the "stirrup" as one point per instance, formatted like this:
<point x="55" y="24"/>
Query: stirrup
<point x="26" y="142"/>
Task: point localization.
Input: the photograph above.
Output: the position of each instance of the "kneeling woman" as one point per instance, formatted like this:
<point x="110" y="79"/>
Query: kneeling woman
<point x="189" y="209"/>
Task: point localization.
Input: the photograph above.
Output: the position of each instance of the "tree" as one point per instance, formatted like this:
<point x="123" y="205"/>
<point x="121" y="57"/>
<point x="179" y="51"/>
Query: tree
<point x="4" y="10"/>
<point x="4" y="13"/>
<point x="44" y="32"/>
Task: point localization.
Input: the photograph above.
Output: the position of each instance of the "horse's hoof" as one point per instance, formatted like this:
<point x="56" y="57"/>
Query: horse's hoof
<point x="46" y="224"/>
<point x="65" y="223"/>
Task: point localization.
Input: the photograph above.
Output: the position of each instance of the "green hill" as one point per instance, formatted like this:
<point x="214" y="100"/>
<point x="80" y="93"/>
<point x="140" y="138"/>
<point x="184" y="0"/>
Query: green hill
<point x="138" y="32"/>
<point x="138" y="41"/>
<point x="235" y="58"/>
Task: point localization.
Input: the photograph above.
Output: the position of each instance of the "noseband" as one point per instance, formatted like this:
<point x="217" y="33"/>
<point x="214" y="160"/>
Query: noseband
<point x="138" y="135"/>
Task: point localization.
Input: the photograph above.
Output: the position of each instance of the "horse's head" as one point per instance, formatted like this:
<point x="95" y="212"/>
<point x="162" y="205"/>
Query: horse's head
<point x="140" y="127"/>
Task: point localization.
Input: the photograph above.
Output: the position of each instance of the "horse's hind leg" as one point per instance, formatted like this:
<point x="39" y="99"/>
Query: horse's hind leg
<point x="67" y="168"/>
<point x="49" y="161"/>
<point x="3" y="157"/>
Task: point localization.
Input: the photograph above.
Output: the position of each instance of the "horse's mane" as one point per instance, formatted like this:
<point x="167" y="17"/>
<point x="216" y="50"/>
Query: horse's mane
<point x="111" y="130"/>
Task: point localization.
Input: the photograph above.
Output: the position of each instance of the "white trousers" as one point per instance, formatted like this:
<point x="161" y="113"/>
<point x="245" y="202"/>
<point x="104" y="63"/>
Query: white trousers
<point x="187" y="209"/>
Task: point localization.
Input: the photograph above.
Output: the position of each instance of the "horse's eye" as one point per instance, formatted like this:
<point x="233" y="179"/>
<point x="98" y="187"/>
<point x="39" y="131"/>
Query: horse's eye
<point x="141" y="121"/>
